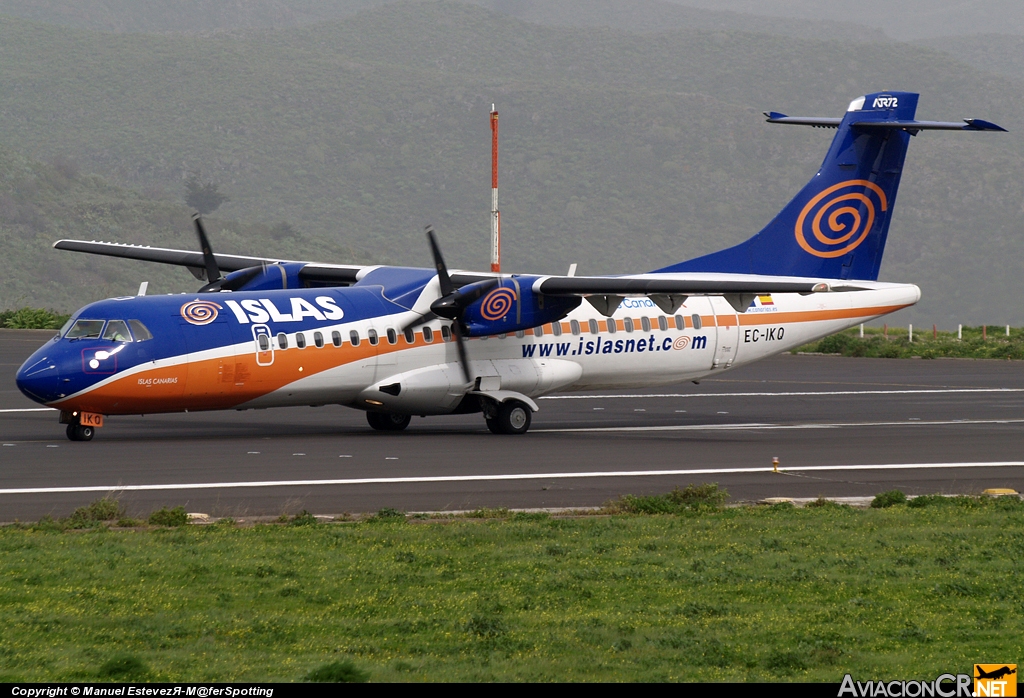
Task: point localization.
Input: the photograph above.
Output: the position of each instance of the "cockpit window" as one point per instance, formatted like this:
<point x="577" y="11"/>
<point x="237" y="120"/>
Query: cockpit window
<point x="85" y="329"/>
<point x="140" y="331"/>
<point x="67" y="326"/>
<point x="117" y="331"/>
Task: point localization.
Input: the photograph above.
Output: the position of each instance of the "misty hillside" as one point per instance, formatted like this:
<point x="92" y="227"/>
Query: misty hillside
<point x="622" y="152"/>
<point x="43" y="202"/>
<point x="1002" y="54"/>
<point x="223" y="15"/>
<point x="900" y="19"/>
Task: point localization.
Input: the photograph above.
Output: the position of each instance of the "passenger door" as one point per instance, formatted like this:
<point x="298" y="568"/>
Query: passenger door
<point x="727" y="331"/>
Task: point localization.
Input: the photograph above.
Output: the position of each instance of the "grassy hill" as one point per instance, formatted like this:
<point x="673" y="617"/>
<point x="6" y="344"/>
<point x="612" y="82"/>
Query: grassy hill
<point x="619" y="151"/>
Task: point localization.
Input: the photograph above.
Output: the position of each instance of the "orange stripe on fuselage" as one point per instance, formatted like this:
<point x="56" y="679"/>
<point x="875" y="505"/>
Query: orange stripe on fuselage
<point x="229" y="381"/>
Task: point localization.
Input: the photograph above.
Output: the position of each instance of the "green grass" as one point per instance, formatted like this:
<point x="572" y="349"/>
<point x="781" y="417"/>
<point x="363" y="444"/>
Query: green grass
<point x="894" y="343"/>
<point x="771" y="593"/>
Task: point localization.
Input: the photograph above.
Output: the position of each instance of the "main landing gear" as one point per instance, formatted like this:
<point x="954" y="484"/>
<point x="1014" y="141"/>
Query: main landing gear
<point x="509" y="417"/>
<point x="388" y="421"/>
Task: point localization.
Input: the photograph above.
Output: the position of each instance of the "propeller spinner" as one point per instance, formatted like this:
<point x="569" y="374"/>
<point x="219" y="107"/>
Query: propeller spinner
<point x="453" y="302"/>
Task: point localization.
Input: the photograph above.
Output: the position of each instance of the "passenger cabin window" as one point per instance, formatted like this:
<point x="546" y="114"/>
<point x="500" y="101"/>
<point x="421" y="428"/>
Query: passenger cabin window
<point x="612" y="326"/>
<point x="140" y="331"/>
<point x="282" y="341"/>
<point x="574" y="326"/>
<point x="354" y="336"/>
<point x="318" y="340"/>
<point x="428" y="335"/>
<point x="520" y="333"/>
<point x="556" y="329"/>
<point x="680" y="322"/>
<point x="117" y="331"/>
<point x="410" y="336"/>
<point x="264" y="342"/>
<point x="628" y="324"/>
<point x="85" y="329"/>
<point x="372" y="336"/>
<point x="662" y="323"/>
<point x="336" y="338"/>
<point x="446" y="333"/>
<point x="392" y="336"/>
<point x="593" y="327"/>
<point x="300" y="340"/>
<point x="696" y="321"/>
<point x="538" y="331"/>
<point x="645" y="322"/>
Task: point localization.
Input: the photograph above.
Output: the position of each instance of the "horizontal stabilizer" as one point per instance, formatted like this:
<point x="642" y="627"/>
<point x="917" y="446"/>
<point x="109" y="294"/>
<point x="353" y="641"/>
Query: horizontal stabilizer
<point x="910" y="125"/>
<point x="914" y="126"/>
<point x="775" y="117"/>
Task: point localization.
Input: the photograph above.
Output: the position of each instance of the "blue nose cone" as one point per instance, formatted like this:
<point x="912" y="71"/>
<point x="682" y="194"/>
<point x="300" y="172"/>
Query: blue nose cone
<point x="39" y="379"/>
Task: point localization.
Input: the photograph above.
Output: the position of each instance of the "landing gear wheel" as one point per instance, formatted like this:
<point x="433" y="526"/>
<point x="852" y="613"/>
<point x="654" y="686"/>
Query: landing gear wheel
<point x="494" y="425"/>
<point x="513" y="418"/>
<point x="388" y="421"/>
<point x="76" y="432"/>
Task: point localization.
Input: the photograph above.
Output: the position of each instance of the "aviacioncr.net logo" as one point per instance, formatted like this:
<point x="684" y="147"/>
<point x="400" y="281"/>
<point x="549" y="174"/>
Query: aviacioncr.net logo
<point x="838" y="220"/>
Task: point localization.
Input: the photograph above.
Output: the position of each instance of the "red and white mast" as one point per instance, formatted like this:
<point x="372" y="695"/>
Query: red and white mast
<point x="495" y="216"/>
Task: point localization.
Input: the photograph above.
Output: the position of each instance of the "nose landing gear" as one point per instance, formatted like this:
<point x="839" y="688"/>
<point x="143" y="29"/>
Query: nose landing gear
<point x="77" y="432"/>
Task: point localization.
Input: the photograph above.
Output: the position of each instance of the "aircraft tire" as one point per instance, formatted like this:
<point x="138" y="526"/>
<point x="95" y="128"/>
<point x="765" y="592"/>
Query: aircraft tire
<point x="514" y="417"/>
<point x="76" y="432"/>
<point x="494" y="425"/>
<point x="388" y="421"/>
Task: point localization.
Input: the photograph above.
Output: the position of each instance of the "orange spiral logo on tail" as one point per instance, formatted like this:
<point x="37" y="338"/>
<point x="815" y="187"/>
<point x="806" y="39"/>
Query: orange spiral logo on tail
<point x="847" y="210"/>
<point x="200" y="312"/>
<point x="497" y="303"/>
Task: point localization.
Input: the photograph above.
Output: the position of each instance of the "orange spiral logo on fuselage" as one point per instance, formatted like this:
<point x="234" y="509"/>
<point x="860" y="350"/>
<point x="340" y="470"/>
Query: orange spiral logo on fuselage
<point x="200" y="312"/>
<point x="681" y="342"/>
<point x="497" y="303"/>
<point x="849" y="216"/>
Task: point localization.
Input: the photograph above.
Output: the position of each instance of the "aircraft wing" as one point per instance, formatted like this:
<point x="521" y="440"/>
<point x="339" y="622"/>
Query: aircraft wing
<point x="689" y="284"/>
<point x="329" y="273"/>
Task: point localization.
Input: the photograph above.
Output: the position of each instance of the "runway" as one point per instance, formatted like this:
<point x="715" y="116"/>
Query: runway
<point x="839" y="426"/>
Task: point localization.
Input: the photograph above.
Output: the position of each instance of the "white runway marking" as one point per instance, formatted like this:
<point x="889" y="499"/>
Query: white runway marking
<point x="790" y="394"/>
<point x="490" y="478"/>
<point x="32" y="409"/>
<point x="755" y="426"/>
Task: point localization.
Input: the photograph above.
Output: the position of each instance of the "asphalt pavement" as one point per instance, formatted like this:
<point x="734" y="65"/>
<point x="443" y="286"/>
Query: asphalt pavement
<point x="839" y="427"/>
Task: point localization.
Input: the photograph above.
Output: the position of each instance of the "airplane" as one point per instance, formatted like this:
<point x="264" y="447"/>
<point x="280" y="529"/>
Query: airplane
<point x="399" y="341"/>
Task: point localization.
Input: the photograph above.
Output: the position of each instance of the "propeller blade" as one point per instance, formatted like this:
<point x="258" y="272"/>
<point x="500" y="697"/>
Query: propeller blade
<point x="421" y="320"/>
<point x="212" y="271"/>
<point x="463" y="354"/>
<point x="447" y="288"/>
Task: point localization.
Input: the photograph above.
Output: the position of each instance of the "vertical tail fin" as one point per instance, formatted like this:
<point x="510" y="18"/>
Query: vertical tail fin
<point x="837" y="225"/>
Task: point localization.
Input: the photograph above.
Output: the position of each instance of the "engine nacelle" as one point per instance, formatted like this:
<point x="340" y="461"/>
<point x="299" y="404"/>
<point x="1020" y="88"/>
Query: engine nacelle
<point x="270" y="277"/>
<point x="513" y="306"/>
